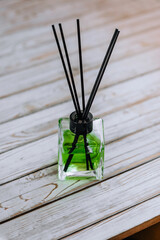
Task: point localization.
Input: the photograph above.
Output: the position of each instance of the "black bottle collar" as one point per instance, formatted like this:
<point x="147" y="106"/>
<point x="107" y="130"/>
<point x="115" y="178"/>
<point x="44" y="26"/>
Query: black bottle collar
<point x="79" y="126"/>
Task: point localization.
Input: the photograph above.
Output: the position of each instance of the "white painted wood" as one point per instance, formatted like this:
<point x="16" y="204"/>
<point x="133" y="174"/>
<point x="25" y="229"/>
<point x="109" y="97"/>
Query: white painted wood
<point x="117" y="97"/>
<point x="88" y="206"/>
<point x="41" y="153"/>
<point x="39" y="19"/>
<point x="42" y="49"/>
<point x="27" y="63"/>
<point x="41" y="187"/>
<point x="50" y="71"/>
<point x="120" y="223"/>
<point x="51" y="94"/>
<point x="132" y="119"/>
<point x="27" y="15"/>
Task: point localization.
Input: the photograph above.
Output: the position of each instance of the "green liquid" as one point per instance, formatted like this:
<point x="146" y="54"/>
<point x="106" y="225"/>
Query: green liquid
<point x="78" y="162"/>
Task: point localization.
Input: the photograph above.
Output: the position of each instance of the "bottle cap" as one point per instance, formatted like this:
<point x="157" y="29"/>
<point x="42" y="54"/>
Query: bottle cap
<point x="81" y="126"/>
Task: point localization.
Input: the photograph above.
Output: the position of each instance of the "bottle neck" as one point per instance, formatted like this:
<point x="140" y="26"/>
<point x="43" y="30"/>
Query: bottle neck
<point x="81" y="126"/>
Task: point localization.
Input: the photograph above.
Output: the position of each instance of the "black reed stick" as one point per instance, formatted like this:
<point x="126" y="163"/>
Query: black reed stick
<point x="70" y="69"/>
<point x="70" y="152"/>
<point x="88" y="157"/>
<point x="80" y="63"/>
<point x="65" y="69"/>
<point x="101" y="72"/>
<point x="74" y="92"/>
<point x="86" y="151"/>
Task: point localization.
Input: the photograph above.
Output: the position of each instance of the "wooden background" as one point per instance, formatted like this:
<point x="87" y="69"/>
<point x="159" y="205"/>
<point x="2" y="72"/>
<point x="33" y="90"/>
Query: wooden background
<point x="34" y="204"/>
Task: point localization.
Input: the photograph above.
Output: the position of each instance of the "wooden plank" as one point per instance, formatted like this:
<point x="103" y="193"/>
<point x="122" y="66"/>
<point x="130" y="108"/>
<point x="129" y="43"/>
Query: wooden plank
<point x="38" y="45"/>
<point x="31" y="15"/>
<point x="100" y="201"/>
<point x="44" y="123"/>
<point x="127" y="223"/>
<point x="51" y="94"/>
<point x="52" y="70"/>
<point x="43" y="74"/>
<point x="86" y="15"/>
<point x="41" y="187"/>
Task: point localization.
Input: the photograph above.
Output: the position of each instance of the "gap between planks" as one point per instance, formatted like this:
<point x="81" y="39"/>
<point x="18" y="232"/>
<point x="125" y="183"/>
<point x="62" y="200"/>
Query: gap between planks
<point x="43" y="97"/>
<point x="117" y="162"/>
<point x="20" y="28"/>
<point x="53" y="164"/>
<point x="133" y="220"/>
<point x="69" y="193"/>
<point x="117" y="19"/>
<point x="119" y="97"/>
<point x="51" y="56"/>
<point x="84" y="52"/>
<point x="135" y="118"/>
<point x="108" y="197"/>
<point x="145" y="25"/>
<point x="41" y="83"/>
<point x="86" y="29"/>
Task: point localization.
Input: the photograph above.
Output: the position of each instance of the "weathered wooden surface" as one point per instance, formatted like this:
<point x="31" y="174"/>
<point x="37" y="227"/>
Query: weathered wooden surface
<point x="34" y="94"/>
<point x="99" y="202"/>
<point x="46" y="187"/>
<point x="137" y="216"/>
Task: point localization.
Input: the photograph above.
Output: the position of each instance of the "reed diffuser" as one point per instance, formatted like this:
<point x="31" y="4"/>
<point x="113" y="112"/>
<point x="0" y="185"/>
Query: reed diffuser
<point x="81" y="137"/>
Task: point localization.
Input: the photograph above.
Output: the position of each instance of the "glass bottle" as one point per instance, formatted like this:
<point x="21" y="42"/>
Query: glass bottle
<point x="80" y="148"/>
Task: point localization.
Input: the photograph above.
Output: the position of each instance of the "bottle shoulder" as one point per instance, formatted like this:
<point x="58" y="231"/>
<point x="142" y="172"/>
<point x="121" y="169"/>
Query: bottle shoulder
<point x="96" y="135"/>
<point x="64" y="122"/>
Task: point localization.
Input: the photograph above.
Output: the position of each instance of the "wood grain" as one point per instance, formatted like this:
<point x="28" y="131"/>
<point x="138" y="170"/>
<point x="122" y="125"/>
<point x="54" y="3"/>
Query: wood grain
<point x="22" y="23"/>
<point x="134" y="119"/>
<point x="38" y="46"/>
<point x="132" y="220"/>
<point x="101" y="201"/>
<point x="50" y="94"/>
<point x="41" y="187"/>
<point x="51" y="71"/>
<point x="44" y="123"/>
<point x="34" y="204"/>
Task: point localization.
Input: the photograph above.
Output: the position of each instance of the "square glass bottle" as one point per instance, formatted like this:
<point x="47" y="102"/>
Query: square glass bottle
<point x="80" y="148"/>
